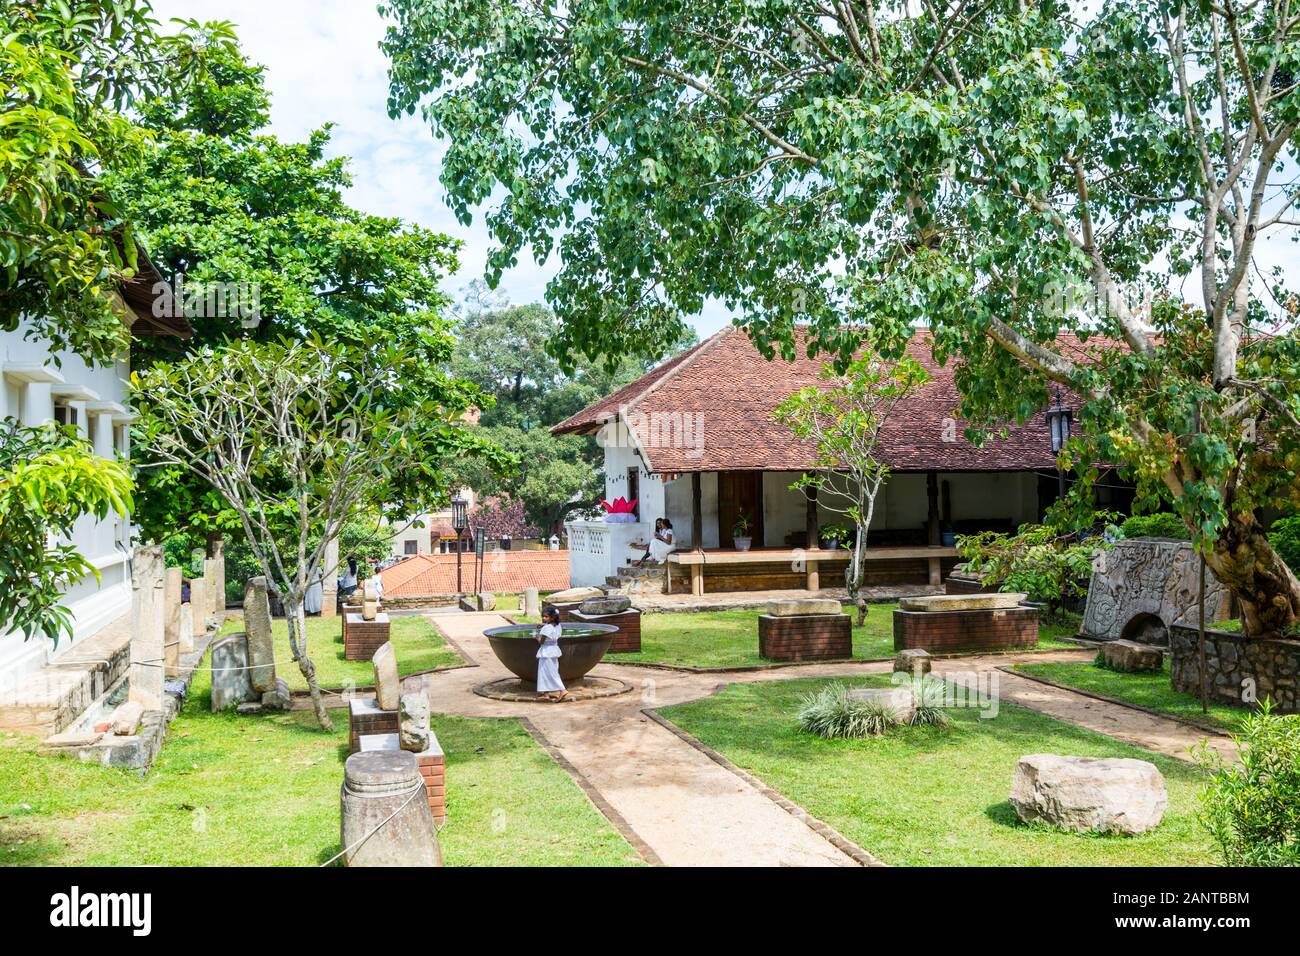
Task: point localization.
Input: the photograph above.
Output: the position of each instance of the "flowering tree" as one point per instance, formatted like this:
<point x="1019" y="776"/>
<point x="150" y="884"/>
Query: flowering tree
<point x="844" y="419"/>
<point x="299" y="438"/>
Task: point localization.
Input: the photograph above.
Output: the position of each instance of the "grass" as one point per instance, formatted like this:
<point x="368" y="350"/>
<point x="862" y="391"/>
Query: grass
<point x="929" y="796"/>
<point x="730" y="638"/>
<point x="264" y="791"/>
<point x="419" y="647"/>
<point x="1149" y="690"/>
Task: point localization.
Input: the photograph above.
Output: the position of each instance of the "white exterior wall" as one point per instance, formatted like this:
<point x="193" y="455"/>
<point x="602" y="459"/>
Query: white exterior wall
<point x="34" y="381"/>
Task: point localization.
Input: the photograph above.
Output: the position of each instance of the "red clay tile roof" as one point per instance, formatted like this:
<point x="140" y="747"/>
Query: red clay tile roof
<point x="733" y="389"/>
<point x="426" y="574"/>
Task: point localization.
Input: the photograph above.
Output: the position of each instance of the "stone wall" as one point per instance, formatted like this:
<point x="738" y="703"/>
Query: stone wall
<point x="1143" y="587"/>
<point x="1239" y="669"/>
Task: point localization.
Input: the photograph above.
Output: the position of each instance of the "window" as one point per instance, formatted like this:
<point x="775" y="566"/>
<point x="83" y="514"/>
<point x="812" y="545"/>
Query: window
<point x="65" y="415"/>
<point x="634" y="490"/>
<point x="411" y="547"/>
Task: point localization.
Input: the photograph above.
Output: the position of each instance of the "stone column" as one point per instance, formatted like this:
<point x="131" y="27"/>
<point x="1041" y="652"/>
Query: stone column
<point x="330" y="581"/>
<point x="172" y="619"/>
<point x="200" y="604"/>
<point x="217" y="552"/>
<point x="384" y="820"/>
<point x="187" y="628"/>
<point x="532" y="602"/>
<point x="147" y="627"/>
<point x="210" y="591"/>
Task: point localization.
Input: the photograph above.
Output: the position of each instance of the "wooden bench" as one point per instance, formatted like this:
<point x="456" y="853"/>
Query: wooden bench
<point x="810" y="558"/>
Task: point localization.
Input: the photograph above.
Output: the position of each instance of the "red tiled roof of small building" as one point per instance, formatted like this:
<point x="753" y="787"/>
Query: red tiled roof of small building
<point x="503" y="571"/>
<point x="727" y="383"/>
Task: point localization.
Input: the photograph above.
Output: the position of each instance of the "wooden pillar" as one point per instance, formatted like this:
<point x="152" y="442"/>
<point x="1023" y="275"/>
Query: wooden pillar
<point x="814" y="576"/>
<point x="697" y="579"/>
<point x="814" y="529"/>
<point x="932" y="496"/>
<point x="936" y="572"/>
<point x="697" y="514"/>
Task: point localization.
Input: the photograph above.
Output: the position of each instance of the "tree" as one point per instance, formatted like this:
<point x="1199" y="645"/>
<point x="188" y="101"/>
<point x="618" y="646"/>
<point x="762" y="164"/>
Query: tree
<point x="66" y="77"/>
<point x="844" y="419"/>
<point x="1034" y="181"/>
<point x="49" y="477"/>
<point x="229" y="209"/>
<point x="300" y="436"/>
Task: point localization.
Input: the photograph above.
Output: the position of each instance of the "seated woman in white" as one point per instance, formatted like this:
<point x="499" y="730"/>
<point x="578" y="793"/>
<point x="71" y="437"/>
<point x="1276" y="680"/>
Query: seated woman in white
<point x="661" y="545"/>
<point x="549" y="685"/>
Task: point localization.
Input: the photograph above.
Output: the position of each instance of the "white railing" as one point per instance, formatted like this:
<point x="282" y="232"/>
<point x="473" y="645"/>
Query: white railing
<point x="598" y="549"/>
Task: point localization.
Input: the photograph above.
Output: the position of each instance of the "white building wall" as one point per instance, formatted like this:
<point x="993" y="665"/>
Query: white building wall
<point x="35" y="380"/>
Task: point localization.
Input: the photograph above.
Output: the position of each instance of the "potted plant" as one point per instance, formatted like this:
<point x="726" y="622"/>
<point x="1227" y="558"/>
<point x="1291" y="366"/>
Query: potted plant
<point x="620" y="510"/>
<point x="834" y="535"/>
<point x="740" y="532"/>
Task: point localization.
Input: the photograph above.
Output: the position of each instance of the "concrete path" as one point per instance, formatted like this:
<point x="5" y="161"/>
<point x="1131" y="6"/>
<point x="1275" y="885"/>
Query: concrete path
<point x="688" y="810"/>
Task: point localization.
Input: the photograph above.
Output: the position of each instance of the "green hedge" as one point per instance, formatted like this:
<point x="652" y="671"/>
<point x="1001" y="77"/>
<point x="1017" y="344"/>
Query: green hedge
<point x="1285" y="539"/>
<point x="1162" y="524"/>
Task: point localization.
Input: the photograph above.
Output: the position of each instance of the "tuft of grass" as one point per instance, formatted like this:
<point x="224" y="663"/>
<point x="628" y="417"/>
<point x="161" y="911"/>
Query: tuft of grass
<point x="828" y="712"/>
<point x="928" y="694"/>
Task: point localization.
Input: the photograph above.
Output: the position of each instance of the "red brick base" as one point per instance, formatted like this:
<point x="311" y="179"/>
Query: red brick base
<point x="942" y="632"/>
<point x="811" y="637"/>
<point x="433" y="769"/>
<point x="627" y="640"/>
<point x="365" y="718"/>
<point x="361" y="638"/>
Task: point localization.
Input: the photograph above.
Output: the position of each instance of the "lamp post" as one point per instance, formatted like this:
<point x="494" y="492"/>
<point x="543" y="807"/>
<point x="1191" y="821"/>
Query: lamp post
<point x="1058" y="424"/>
<point x="459" y="522"/>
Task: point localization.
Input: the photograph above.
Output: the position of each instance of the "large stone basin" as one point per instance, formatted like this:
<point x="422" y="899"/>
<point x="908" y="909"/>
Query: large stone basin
<point x="581" y="648"/>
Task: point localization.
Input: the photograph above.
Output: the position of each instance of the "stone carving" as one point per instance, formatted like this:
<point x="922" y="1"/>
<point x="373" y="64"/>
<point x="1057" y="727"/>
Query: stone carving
<point x="532" y="602"/>
<point x="1144" y="586"/>
<point x="1089" y="794"/>
<point x="803" y="608"/>
<point x="148" y="625"/>
<point x="381" y="824"/>
<point x="987" y="601"/>
<point x="613" y="604"/>
<point x="388" y="686"/>
<point x="413" y="722"/>
<point x="261" y="645"/>
<point x="231" y="685"/>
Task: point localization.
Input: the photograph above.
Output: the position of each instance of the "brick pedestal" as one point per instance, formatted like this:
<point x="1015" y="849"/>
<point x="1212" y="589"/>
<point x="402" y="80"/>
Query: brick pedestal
<point x="963" y="584"/>
<point x="433" y="769"/>
<point x="361" y="638"/>
<point x="808" y="637"/>
<point x="944" y="632"/>
<point x="365" y="718"/>
<point x="566" y="609"/>
<point x="627" y="640"/>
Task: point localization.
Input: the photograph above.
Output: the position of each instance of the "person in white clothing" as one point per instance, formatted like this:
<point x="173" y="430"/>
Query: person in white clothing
<point x="549" y="685"/>
<point x="661" y="545"/>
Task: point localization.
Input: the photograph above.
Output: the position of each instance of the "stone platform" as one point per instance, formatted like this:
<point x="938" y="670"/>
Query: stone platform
<point x="950" y="623"/>
<point x="806" y="637"/>
<point x="433" y="769"/>
<point x="361" y="638"/>
<point x="585" y="688"/>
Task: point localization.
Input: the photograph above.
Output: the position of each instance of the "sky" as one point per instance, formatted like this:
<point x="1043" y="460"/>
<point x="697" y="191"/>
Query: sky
<point x="324" y="65"/>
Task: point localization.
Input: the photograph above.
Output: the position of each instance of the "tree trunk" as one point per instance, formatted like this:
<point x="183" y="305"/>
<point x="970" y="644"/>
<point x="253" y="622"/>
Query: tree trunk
<point x="297" y="623"/>
<point x="1265" y="588"/>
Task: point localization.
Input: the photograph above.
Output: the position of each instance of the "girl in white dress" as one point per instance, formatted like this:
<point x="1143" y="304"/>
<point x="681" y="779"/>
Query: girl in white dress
<point x="549" y="685"/>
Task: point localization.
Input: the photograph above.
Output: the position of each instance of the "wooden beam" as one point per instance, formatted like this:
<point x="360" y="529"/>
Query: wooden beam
<point x="697" y="514"/>
<point x="932" y="497"/>
<point x="814" y="530"/>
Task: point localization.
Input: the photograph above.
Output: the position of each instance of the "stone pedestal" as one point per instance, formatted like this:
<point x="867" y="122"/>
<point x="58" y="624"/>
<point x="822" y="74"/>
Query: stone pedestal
<point x="231" y="683"/>
<point x="172" y="620"/>
<point x="148" y="609"/>
<point x="946" y="632"/>
<point x="808" y="637"/>
<point x="531" y="604"/>
<point x="431" y="762"/>
<point x="627" y="640"/>
<point x="381" y="824"/>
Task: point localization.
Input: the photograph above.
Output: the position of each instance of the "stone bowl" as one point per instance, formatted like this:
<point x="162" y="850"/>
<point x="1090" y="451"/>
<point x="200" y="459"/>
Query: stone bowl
<point x="581" y="648"/>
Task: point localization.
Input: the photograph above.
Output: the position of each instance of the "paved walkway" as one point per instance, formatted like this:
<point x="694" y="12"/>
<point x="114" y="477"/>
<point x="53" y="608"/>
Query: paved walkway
<point x="689" y="810"/>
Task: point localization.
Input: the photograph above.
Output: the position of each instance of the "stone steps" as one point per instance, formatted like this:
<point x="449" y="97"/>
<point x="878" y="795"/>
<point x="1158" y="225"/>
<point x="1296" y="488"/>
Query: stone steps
<point x="632" y="580"/>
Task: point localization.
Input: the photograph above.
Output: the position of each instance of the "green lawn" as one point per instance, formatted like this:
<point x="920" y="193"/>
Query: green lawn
<point x="930" y="796"/>
<point x="417" y="644"/>
<point x="264" y="791"/>
<point x="1146" y="690"/>
<point x="730" y="638"/>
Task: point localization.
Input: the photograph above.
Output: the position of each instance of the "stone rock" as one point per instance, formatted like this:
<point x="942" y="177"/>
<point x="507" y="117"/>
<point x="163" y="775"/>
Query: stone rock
<point x="214" y="612"/>
<point x="1142" y="587"/>
<point x="148" y="626"/>
<point x="573" y="595"/>
<point x="126" y="719"/>
<point x="805" y="607"/>
<point x="381" y="824"/>
<point x="413" y="722"/>
<point x="1089" y="794"/>
<point x="217" y="549"/>
<point x="279" y="697"/>
<point x="1132" y="657"/>
<point x="897" y="699"/>
<point x="487" y="601"/>
<point x="610" y="604"/>
<point x="914" y="661"/>
<point x="231" y="685"/>
<point x="248" y="707"/>
<point x="532" y="603"/>
<point x="261" y="643"/>
<point x="388" y="686"/>
<point x="369" y="610"/>
<point x="988" y="601"/>
<point x="370" y="592"/>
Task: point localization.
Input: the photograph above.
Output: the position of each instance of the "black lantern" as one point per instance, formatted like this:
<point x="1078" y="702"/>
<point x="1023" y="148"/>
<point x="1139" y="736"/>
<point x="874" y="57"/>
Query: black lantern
<point x="459" y="522"/>
<point x="1058" y="425"/>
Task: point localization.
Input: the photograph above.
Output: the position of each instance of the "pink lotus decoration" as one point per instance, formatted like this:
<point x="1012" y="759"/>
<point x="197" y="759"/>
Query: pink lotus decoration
<point x="620" y="509"/>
